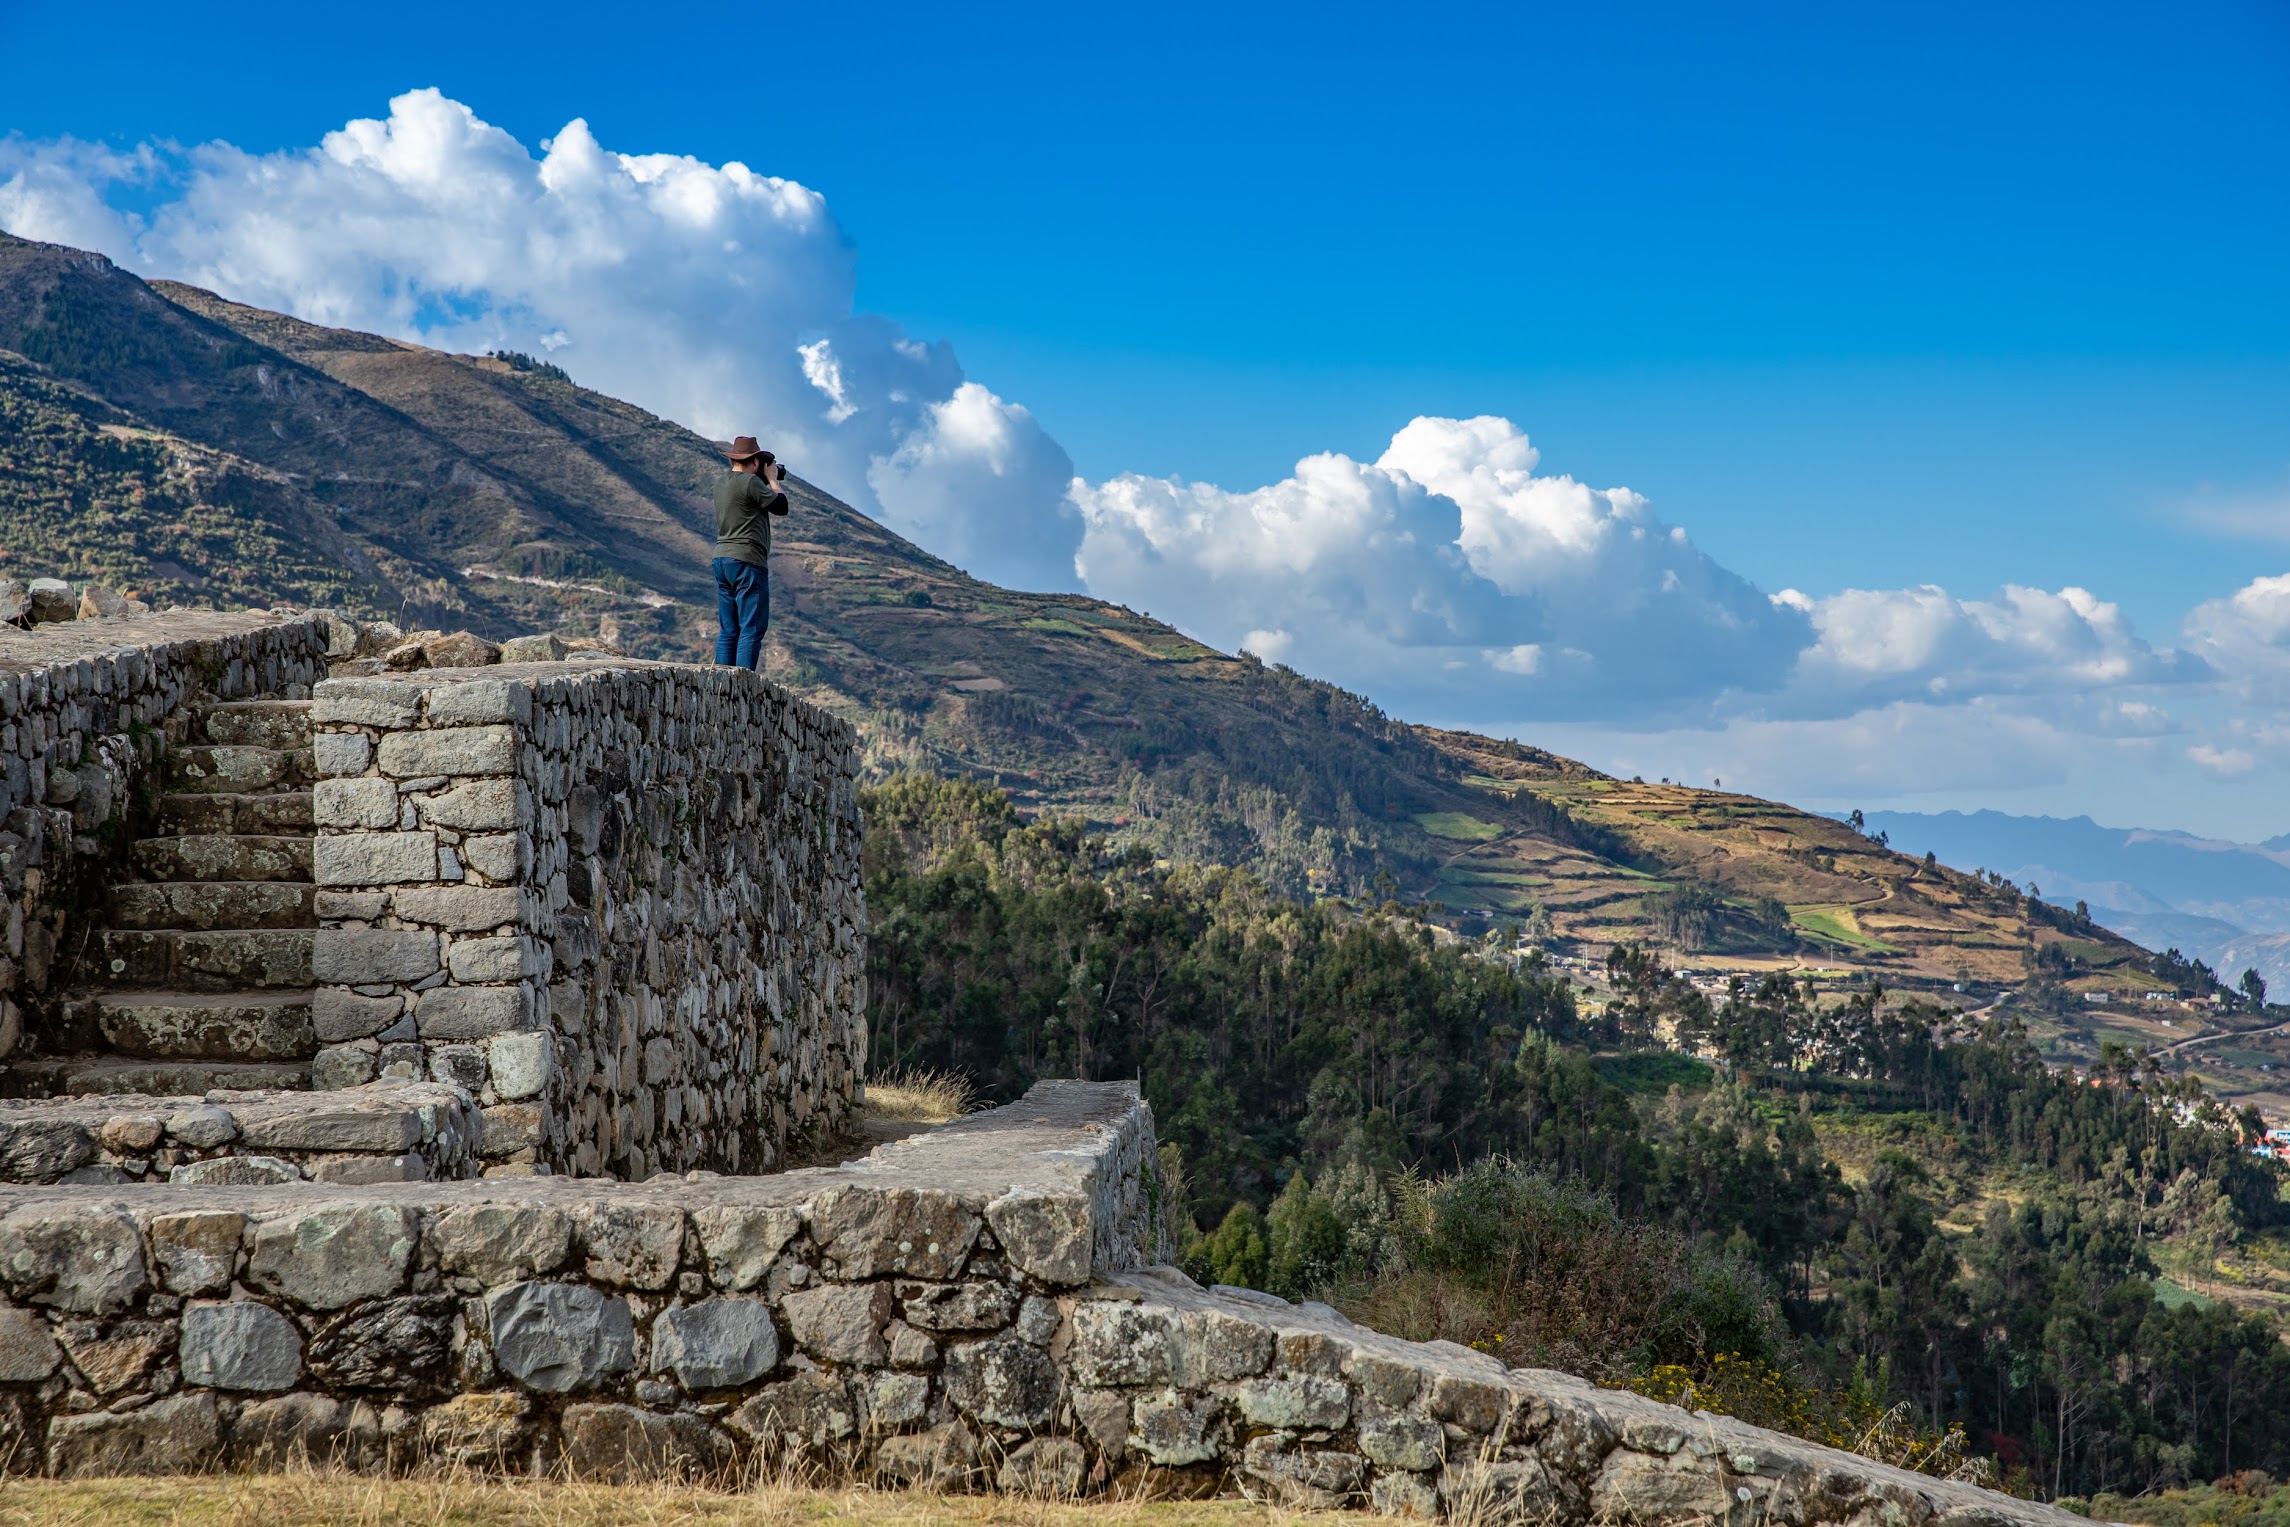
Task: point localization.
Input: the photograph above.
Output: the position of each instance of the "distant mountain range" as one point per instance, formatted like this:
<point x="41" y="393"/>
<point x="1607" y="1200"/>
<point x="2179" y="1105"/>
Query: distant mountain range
<point x="185" y="448"/>
<point x="2225" y="903"/>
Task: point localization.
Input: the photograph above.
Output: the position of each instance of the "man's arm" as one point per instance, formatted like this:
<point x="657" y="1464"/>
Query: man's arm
<point x="769" y="478"/>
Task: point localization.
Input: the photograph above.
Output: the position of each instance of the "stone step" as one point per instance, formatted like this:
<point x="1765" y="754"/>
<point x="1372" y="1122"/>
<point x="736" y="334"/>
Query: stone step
<point x="259" y="723"/>
<point x="239" y="770"/>
<point x="214" y="905"/>
<point x="223" y="812"/>
<point x="190" y="960"/>
<point x="234" y="1026"/>
<point x="106" y="1076"/>
<point x="221" y="856"/>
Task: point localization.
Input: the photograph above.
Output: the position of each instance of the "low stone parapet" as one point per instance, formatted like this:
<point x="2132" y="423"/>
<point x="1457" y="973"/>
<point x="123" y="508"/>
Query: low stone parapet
<point x="381" y="1132"/>
<point x="968" y="1308"/>
<point x="617" y="901"/>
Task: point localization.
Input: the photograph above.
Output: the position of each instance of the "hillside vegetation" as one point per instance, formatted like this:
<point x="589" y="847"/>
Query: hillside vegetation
<point x="1873" y="1221"/>
<point x="184" y="447"/>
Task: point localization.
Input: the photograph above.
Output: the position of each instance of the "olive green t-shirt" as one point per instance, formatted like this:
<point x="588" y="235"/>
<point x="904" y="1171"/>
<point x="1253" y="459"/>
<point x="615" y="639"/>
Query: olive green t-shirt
<point x="743" y="525"/>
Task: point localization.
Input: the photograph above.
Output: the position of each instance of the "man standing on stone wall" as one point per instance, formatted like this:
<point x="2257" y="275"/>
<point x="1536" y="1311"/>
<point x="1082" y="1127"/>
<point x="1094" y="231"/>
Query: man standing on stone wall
<point x="745" y="497"/>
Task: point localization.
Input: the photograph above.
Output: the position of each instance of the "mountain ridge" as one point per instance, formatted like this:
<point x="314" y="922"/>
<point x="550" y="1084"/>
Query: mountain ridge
<point x="469" y="491"/>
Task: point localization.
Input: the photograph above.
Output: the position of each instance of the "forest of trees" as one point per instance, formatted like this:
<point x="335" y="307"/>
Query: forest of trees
<point x="1370" y="1109"/>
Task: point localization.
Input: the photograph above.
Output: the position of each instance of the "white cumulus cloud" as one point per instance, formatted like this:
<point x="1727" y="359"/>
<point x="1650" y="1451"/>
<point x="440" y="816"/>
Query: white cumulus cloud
<point x="713" y="294"/>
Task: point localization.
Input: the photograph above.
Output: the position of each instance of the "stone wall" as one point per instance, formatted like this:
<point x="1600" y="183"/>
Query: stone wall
<point x="85" y="708"/>
<point x="381" y="1132"/>
<point x="617" y="901"/>
<point x="940" y="1313"/>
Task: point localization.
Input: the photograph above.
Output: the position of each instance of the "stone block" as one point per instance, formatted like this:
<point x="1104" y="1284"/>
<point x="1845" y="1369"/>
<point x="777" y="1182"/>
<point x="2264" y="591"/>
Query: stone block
<point x="482" y="805"/>
<point x="326" y="1257"/>
<point x="480" y="703"/>
<point x="374" y="858"/>
<point x="1104" y="1414"/>
<point x="83" y="1258"/>
<point x="476" y="1430"/>
<point x="1403" y="1441"/>
<point x="1649" y="1488"/>
<point x="510" y="958"/>
<point x="841" y="1323"/>
<point x="631" y="1245"/>
<point x="895" y="1399"/>
<point x="943" y="1458"/>
<point x="1038" y="1320"/>
<point x="244" y="1346"/>
<point x="807" y="1411"/>
<point x="178" y="1434"/>
<point x="1302" y="1479"/>
<point x="1004" y="1382"/>
<point x="560" y="1337"/>
<point x="28" y="1353"/>
<point x="339" y="1015"/>
<point x="119" y="1355"/>
<point x="340" y="1066"/>
<point x="544" y="648"/>
<point x="458" y="909"/>
<point x="342" y="754"/>
<point x="1122" y="1344"/>
<point x="501" y="1243"/>
<point x="365" y="702"/>
<point x="1469" y="1403"/>
<point x="472" y="1012"/>
<point x="240" y="1171"/>
<point x="741" y="1242"/>
<point x="1217" y="1348"/>
<point x="203" y="1126"/>
<point x="457" y="750"/>
<point x="510" y="1128"/>
<point x="870" y="1232"/>
<point x="1404" y="1495"/>
<point x="1173" y="1429"/>
<point x="620" y="1444"/>
<point x="974" y="1306"/>
<point x="505" y="856"/>
<point x="367" y="803"/>
<point x="197" y="1252"/>
<point x="1385" y="1380"/>
<point x="715" y="1344"/>
<point x="521" y="1064"/>
<point x="404" y="1345"/>
<point x="1296" y="1404"/>
<point x="1049" y="1235"/>
<point x="294" y="1431"/>
<point x="372" y="956"/>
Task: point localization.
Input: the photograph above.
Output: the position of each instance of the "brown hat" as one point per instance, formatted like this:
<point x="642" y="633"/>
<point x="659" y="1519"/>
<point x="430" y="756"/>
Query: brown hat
<point x="745" y="449"/>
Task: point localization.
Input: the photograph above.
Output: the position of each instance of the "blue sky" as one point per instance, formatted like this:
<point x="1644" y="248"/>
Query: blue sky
<point x="1864" y="298"/>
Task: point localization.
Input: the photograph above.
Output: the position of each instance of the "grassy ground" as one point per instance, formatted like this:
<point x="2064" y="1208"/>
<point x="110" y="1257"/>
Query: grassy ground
<point x="327" y="1500"/>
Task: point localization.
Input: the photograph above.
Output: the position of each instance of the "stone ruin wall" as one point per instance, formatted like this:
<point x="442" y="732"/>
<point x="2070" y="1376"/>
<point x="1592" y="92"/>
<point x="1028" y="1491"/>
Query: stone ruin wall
<point x="967" y="1308"/>
<point x="81" y="722"/>
<point x="620" y="905"/>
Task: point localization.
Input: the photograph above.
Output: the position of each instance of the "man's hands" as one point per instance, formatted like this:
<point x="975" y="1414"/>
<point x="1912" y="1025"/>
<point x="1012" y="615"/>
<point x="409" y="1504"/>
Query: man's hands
<point x="772" y="473"/>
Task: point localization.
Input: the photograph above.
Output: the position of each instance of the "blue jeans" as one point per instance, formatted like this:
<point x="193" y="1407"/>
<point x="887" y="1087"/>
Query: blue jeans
<point x="743" y="609"/>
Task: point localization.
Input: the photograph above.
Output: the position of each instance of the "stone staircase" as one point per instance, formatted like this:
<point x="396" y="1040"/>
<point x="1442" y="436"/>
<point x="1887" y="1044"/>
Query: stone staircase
<point x="200" y="978"/>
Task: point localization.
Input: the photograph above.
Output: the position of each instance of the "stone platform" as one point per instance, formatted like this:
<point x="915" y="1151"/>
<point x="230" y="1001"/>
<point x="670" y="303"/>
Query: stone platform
<point x="976" y="1306"/>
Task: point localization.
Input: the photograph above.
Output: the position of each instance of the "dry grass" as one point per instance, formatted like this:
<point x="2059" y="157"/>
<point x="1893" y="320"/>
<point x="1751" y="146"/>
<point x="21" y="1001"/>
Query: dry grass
<point x="919" y="1097"/>
<point x="340" y="1500"/>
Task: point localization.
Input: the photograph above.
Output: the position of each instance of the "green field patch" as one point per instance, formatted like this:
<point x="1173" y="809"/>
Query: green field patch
<point x="1466" y="876"/>
<point x="1835" y="923"/>
<point x="1653" y="1074"/>
<point x="1059" y="627"/>
<point x="2172" y="1296"/>
<point x="1459" y="825"/>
